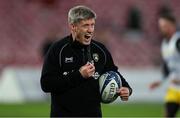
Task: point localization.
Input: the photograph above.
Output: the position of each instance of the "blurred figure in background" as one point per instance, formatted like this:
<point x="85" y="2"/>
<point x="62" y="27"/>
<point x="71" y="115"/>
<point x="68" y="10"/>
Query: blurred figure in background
<point x="51" y="37"/>
<point x="170" y="50"/>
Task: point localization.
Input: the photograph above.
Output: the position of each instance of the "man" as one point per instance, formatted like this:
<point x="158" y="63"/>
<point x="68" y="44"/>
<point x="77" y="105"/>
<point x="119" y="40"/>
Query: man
<point x="171" y="66"/>
<point x="72" y="66"/>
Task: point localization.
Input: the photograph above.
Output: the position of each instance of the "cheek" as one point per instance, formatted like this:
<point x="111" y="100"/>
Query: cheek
<point x="82" y="32"/>
<point x="165" y="30"/>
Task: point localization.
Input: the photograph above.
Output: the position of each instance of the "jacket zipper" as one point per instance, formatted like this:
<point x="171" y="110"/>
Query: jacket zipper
<point x="83" y="52"/>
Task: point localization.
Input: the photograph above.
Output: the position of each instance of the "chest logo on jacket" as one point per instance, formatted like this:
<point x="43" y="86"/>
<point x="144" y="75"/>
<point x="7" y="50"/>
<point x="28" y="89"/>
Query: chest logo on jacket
<point x="95" y="57"/>
<point x="96" y="75"/>
<point x="68" y="59"/>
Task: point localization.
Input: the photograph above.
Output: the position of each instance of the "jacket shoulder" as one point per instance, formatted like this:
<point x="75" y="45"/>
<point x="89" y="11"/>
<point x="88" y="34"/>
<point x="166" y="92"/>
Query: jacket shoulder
<point x="100" y="46"/>
<point x="58" y="45"/>
<point x="61" y="42"/>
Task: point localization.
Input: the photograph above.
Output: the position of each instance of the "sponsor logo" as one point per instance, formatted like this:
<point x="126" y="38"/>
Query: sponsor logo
<point x="66" y="73"/>
<point x="68" y="59"/>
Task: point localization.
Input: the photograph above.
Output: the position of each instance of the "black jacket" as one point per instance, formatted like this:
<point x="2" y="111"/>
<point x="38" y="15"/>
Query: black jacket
<point x="71" y="94"/>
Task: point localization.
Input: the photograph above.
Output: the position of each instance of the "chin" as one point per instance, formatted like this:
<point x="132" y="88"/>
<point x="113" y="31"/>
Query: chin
<point x="86" y="43"/>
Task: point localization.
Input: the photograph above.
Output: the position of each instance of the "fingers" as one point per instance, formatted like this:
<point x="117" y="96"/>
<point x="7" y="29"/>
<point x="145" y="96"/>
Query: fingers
<point x="175" y="81"/>
<point x="124" y="98"/>
<point x="87" y="70"/>
<point x="154" y="85"/>
<point x="90" y="68"/>
<point x="123" y="93"/>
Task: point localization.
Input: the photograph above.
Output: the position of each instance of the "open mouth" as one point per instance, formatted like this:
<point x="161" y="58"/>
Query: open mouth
<point x="87" y="36"/>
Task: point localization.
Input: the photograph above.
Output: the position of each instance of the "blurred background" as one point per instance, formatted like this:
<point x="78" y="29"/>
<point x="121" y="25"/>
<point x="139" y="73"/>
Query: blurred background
<point x="128" y="28"/>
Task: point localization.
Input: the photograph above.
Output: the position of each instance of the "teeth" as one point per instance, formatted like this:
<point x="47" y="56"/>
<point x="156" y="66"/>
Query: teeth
<point x="87" y="36"/>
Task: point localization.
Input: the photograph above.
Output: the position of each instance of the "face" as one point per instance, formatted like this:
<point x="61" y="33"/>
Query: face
<point x="83" y="31"/>
<point x="166" y="27"/>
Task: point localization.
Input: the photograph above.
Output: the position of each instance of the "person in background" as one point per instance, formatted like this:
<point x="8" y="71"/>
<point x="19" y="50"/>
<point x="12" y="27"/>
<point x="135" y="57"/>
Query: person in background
<point x="170" y="50"/>
<point x="51" y="37"/>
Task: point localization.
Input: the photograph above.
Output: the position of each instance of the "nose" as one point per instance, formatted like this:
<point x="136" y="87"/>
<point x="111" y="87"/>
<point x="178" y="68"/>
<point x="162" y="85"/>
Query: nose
<point x="90" y="29"/>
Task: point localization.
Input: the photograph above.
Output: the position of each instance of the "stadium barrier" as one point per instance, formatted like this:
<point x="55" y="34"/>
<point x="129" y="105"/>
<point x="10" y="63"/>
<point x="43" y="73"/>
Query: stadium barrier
<point x="23" y="84"/>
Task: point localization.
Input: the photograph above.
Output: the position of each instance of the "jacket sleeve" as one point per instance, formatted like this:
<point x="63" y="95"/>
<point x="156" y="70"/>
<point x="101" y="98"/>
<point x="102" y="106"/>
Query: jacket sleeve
<point x="165" y="70"/>
<point x="52" y="78"/>
<point x="110" y="66"/>
<point x="178" y="45"/>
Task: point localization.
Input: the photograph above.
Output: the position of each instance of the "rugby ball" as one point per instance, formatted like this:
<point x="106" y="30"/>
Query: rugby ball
<point x="109" y="82"/>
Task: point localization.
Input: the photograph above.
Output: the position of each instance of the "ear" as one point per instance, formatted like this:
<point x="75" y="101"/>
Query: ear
<point x="72" y="27"/>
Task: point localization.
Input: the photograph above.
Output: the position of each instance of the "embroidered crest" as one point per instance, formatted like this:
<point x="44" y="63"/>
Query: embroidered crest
<point x="96" y="57"/>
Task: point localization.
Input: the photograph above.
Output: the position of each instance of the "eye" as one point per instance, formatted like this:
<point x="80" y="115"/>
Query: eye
<point x="85" y="25"/>
<point x="92" y="25"/>
<point x="88" y="25"/>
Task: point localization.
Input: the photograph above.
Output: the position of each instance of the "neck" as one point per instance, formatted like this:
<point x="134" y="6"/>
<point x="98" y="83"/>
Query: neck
<point x="170" y="34"/>
<point x="73" y="36"/>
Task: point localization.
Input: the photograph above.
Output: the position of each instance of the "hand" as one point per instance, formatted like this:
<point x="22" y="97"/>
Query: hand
<point x="175" y="81"/>
<point x="154" y="85"/>
<point x="124" y="93"/>
<point x="87" y="70"/>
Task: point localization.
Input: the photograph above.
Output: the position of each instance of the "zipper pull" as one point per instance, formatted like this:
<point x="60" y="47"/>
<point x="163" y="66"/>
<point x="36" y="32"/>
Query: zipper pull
<point x="83" y="52"/>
